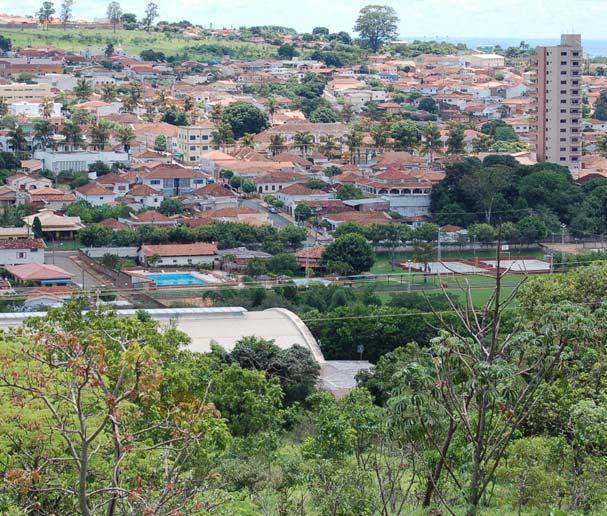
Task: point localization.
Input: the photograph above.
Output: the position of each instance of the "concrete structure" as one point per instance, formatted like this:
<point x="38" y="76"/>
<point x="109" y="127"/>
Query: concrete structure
<point x="226" y="326"/>
<point x="95" y="194"/>
<point x="21" y="92"/>
<point x="194" y="141"/>
<point x="485" y="60"/>
<point x="78" y="161"/>
<point x="558" y="99"/>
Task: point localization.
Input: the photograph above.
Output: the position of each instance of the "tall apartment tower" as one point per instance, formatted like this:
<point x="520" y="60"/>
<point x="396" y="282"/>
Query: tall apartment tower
<point x="558" y="97"/>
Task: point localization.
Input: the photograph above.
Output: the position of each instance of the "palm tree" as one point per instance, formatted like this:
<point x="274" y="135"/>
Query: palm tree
<point x="3" y="106"/>
<point x="354" y="141"/>
<point x="73" y="134"/>
<point x="248" y="140"/>
<point x="216" y="113"/>
<point x="423" y="252"/>
<point x="83" y="90"/>
<point x="347" y="112"/>
<point x="126" y="136"/>
<point x="47" y="106"/>
<point x="272" y="108"/>
<point x="277" y="144"/>
<point x="17" y="139"/>
<point x="100" y="134"/>
<point x="150" y="112"/>
<point x="222" y="136"/>
<point x="162" y="98"/>
<point x="432" y="142"/>
<point x="108" y="92"/>
<point x="189" y="103"/>
<point x="380" y="134"/>
<point x="329" y="145"/>
<point x="302" y="141"/>
<point x="43" y="132"/>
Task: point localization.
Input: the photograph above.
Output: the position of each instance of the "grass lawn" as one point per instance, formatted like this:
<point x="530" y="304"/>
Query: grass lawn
<point x="134" y="41"/>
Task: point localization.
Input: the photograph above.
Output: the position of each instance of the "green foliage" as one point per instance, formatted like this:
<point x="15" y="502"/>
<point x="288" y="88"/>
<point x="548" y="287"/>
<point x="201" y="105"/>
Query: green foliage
<point x="244" y="118"/>
<point x="171" y="207"/>
<point x="376" y="24"/>
<point x="352" y="251"/>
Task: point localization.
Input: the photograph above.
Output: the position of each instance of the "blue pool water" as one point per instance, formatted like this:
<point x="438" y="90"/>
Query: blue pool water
<point x="169" y="279"/>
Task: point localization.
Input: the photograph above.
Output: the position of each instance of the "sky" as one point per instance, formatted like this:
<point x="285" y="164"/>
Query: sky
<point x="447" y="18"/>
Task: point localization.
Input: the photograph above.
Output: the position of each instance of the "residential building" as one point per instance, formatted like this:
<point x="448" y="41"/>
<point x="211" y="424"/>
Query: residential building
<point x="39" y="274"/>
<point x="55" y="227"/>
<point x="50" y="198"/>
<point x="485" y="60"/>
<point x="22" y="92"/>
<point x="143" y="196"/>
<point x="558" y="101"/>
<point x="193" y="141"/>
<point x="95" y="194"/>
<point x="25" y="182"/>
<point x="173" y="181"/>
<point x="295" y="194"/>
<point x="176" y="255"/>
<point x="21" y="250"/>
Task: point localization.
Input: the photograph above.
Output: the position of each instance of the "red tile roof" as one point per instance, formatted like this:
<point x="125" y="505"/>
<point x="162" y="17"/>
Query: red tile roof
<point x="22" y="243"/>
<point x="94" y="189"/>
<point x="299" y="189"/>
<point x="37" y="272"/>
<point x="198" y="249"/>
<point x="142" y="191"/>
<point x="113" y="223"/>
<point x="214" y="190"/>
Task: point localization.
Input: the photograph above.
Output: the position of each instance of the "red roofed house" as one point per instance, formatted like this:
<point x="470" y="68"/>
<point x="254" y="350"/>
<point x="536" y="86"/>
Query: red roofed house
<point x="8" y="196"/>
<point x="174" y="181"/>
<point x="213" y="196"/>
<point x="50" y="198"/>
<point x="175" y="255"/>
<point x="148" y="217"/>
<point x="95" y="194"/>
<point x="21" y="250"/>
<point x="143" y="195"/>
<point x="310" y="257"/>
<point x="39" y="273"/>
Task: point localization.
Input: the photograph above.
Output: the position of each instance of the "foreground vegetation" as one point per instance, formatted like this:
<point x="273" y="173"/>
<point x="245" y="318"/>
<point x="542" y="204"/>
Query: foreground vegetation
<point x="498" y="412"/>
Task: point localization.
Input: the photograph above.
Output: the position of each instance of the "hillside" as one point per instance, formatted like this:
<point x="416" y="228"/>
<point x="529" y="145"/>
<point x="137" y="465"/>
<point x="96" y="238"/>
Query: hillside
<point x="134" y="41"/>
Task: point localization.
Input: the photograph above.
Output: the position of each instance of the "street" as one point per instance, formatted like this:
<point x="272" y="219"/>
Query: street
<point x="276" y="219"/>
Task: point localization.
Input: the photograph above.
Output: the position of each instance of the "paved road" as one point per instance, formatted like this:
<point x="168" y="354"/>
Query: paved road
<point x="68" y="261"/>
<point x="276" y="219"/>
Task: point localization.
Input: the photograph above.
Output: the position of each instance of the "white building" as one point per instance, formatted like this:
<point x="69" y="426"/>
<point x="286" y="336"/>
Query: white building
<point x="31" y="109"/>
<point x="21" y="250"/>
<point x="176" y="255"/>
<point x="78" y="161"/>
<point x="95" y="194"/>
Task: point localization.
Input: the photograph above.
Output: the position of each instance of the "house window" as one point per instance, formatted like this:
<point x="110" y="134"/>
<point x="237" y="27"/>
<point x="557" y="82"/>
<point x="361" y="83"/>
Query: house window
<point x="205" y="136"/>
<point x="192" y="137"/>
<point x="155" y="182"/>
<point x="20" y="256"/>
<point x="101" y="198"/>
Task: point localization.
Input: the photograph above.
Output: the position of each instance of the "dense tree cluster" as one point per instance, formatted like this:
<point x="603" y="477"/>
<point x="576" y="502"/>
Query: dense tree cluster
<point x="501" y="190"/>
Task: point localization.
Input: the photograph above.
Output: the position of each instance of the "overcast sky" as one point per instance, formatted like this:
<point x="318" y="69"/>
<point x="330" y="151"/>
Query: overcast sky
<point x="467" y="18"/>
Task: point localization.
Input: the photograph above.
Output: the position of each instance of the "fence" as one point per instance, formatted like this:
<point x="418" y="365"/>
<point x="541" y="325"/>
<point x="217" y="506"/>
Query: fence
<point x="98" y="252"/>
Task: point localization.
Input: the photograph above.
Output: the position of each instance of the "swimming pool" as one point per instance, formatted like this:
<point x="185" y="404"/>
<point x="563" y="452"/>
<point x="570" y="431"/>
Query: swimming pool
<point x="172" y="279"/>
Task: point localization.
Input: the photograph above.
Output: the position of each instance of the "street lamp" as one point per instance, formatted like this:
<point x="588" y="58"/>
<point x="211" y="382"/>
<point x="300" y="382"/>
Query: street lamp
<point x="563" y="227"/>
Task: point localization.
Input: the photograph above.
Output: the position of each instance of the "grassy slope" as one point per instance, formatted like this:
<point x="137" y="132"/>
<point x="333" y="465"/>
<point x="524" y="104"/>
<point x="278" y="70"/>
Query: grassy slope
<point x="136" y="41"/>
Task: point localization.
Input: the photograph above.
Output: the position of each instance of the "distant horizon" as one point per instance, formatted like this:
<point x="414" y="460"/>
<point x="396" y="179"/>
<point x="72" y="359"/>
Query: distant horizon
<point x="517" y="19"/>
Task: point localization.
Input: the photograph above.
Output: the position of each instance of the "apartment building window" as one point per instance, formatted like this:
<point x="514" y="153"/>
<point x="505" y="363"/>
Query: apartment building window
<point x="575" y="92"/>
<point x="576" y="63"/>
<point x="564" y="72"/>
<point x="563" y="159"/>
<point x="192" y="137"/>
<point x="192" y="147"/>
<point x="563" y="149"/>
<point x="574" y="149"/>
<point x="564" y="63"/>
<point x="205" y="136"/>
<point x="563" y="121"/>
<point x="575" y="83"/>
<point x="563" y="92"/>
<point x="573" y="158"/>
<point x="575" y="54"/>
<point x="563" y="130"/>
<point x="563" y="53"/>
<point x="563" y="82"/>
<point x="563" y="111"/>
<point x="563" y="139"/>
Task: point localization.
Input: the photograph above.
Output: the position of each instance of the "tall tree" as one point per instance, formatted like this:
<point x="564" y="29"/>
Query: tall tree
<point x="73" y="134"/>
<point x="43" y="133"/>
<point x="47" y="107"/>
<point x="65" y="14"/>
<point x="151" y="13"/>
<point x="455" y="140"/>
<point x="17" y="139"/>
<point x="277" y="144"/>
<point x="45" y="13"/>
<point x="126" y="136"/>
<point x="83" y="90"/>
<point x="431" y="143"/>
<point x="303" y="141"/>
<point x="114" y="13"/>
<point x="377" y="24"/>
<point x="100" y="134"/>
<point x="108" y="92"/>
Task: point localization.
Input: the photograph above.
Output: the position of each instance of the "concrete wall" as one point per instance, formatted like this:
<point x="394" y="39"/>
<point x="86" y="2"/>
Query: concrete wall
<point x="98" y="252"/>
